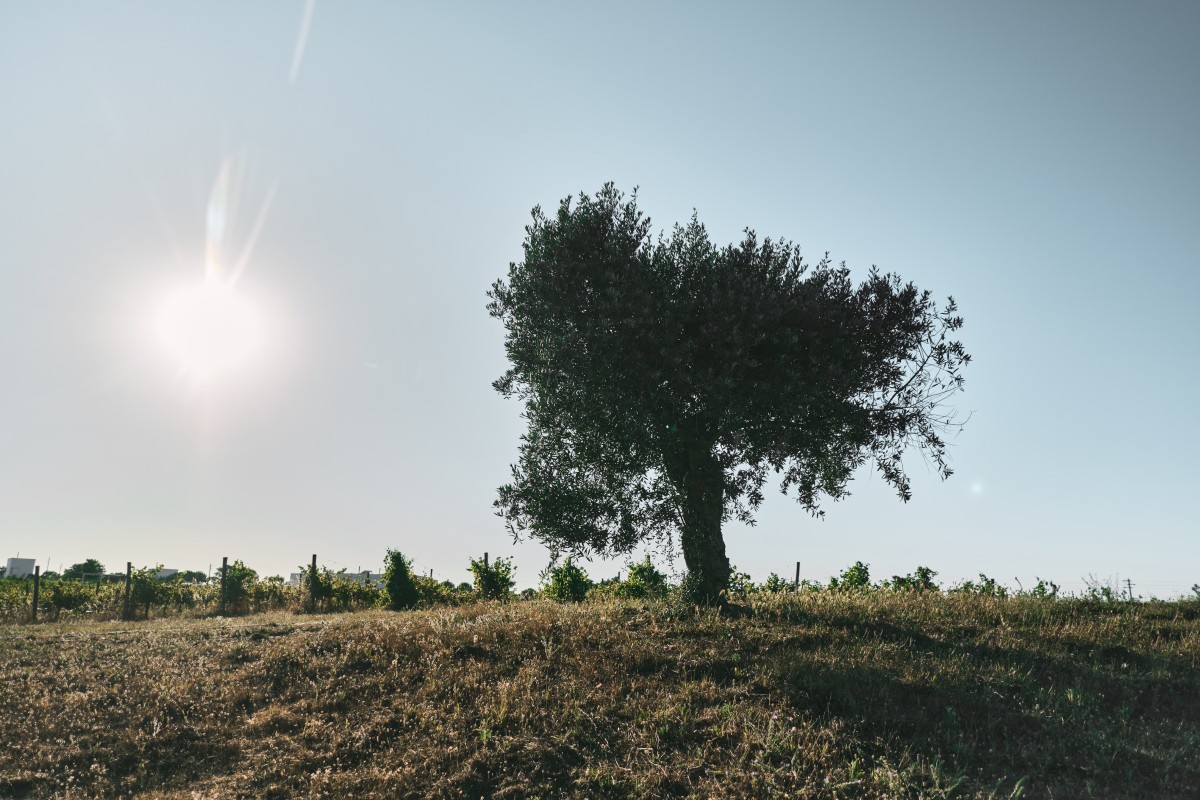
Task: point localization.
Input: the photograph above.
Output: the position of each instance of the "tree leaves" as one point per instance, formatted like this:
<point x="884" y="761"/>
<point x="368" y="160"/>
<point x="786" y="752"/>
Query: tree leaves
<point x="635" y="356"/>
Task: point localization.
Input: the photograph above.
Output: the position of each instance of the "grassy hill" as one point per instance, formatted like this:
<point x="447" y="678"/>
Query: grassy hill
<point x="825" y="694"/>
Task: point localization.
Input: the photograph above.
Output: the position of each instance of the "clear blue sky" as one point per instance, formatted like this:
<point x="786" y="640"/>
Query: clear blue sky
<point x="1036" y="160"/>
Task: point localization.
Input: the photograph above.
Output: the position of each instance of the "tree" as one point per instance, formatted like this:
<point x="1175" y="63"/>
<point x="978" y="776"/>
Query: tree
<point x="91" y="568"/>
<point x="663" y="378"/>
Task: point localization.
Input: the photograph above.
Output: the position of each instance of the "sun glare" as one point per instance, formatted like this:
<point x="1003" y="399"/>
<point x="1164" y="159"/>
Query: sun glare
<point x="208" y="330"/>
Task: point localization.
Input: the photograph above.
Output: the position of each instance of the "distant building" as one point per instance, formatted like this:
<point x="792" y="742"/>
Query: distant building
<point x="365" y="577"/>
<point x="19" y="567"/>
<point x="163" y="574"/>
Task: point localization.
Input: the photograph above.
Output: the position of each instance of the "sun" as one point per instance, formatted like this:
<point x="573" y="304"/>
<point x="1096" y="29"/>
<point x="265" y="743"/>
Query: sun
<point x="208" y="330"/>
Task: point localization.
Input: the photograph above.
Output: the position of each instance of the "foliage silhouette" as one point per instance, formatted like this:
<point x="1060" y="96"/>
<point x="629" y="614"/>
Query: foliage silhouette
<point x="89" y="568"/>
<point x="566" y="582"/>
<point x="663" y="379"/>
<point x="397" y="578"/>
<point x="493" y="581"/>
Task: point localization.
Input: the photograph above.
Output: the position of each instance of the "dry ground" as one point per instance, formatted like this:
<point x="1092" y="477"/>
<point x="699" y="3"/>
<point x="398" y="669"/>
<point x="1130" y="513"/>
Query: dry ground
<point x="876" y="695"/>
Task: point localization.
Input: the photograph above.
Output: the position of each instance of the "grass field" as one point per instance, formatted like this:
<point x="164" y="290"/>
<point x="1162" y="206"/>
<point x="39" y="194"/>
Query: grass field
<point x="825" y="694"/>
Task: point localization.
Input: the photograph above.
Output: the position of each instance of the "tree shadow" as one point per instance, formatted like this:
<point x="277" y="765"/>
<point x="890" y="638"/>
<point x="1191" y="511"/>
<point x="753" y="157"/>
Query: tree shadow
<point x="1069" y="719"/>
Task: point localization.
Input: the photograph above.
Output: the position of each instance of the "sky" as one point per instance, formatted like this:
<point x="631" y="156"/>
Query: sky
<point x="357" y="175"/>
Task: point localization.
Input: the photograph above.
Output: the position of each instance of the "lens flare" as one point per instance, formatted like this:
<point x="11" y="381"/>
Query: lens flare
<point x="209" y="328"/>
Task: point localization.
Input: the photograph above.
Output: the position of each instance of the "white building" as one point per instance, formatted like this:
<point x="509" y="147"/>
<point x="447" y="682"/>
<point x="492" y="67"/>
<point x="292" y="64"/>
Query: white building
<point x="365" y="577"/>
<point x="19" y="567"/>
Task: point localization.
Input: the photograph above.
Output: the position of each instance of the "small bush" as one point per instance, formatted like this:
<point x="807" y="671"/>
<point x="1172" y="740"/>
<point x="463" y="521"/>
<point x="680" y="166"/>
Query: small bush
<point x="67" y="595"/>
<point x="318" y="587"/>
<point x="397" y="579"/>
<point x="644" y="581"/>
<point x="854" y="577"/>
<point x="919" y="581"/>
<point x="739" y="582"/>
<point x="1106" y="591"/>
<point x="566" y="582"/>
<point x="1045" y="590"/>
<point x="986" y="587"/>
<point x="145" y="590"/>
<point x="493" y="581"/>
<point x="775" y="584"/>
<point x="239" y="582"/>
<point x="443" y="593"/>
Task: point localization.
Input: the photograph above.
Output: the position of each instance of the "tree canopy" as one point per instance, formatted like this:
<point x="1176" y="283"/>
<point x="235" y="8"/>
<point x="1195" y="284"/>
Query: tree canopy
<point x="90" y="568"/>
<point x="664" y="378"/>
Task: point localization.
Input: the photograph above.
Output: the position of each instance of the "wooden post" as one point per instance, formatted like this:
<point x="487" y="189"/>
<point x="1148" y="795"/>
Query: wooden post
<point x="797" y="576"/>
<point x="221" y="600"/>
<point x="128" y="583"/>
<point x="312" y="586"/>
<point x="37" y="579"/>
<point x="485" y="559"/>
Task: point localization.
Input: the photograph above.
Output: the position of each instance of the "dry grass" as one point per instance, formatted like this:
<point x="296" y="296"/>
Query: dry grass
<point x="877" y="695"/>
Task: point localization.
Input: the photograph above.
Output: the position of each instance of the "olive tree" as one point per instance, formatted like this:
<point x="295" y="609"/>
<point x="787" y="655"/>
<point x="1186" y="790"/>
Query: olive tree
<point x="664" y="378"/>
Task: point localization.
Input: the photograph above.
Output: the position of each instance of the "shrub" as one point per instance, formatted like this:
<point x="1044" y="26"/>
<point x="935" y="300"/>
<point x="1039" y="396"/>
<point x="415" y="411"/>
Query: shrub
<point x="1102" y="591"/>
<point x="986" y="587"/>
<point x="644" y="581"/>
<point x="397" y="579"/>
<point x="239" y="581"/>
<point x="432" y="592"/>
<point x="347" y="593"/>
<point x="145" y="590"/>
<point x="739" y="582"/>
<point x="318" y="586"/>
<point x="566" y="582"/>
<point x="1047" y="590"/>
<point x="775" y="584"/>
<point x="919" y="581"/>
<point x="67" y="595"/>
<point x="493" y="581"/>
<point x="854" y="577"/>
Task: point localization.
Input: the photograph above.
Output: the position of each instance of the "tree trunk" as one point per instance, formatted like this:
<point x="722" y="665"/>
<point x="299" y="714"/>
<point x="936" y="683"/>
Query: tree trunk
<point x="703" y="490"/>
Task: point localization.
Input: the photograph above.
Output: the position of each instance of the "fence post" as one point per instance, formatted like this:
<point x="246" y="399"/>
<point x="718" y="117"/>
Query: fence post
<point x="312" y="586"/>
<point x="221" y="601"/>
<point x="37" y="579"/>
<point x="797" y="587"/>
<point x="128" y="581"/>
<point x="485" y="559"/>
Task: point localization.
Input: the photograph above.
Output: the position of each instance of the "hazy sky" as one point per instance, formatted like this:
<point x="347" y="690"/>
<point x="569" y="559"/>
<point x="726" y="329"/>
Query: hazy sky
<point x="1038" y="161"/>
